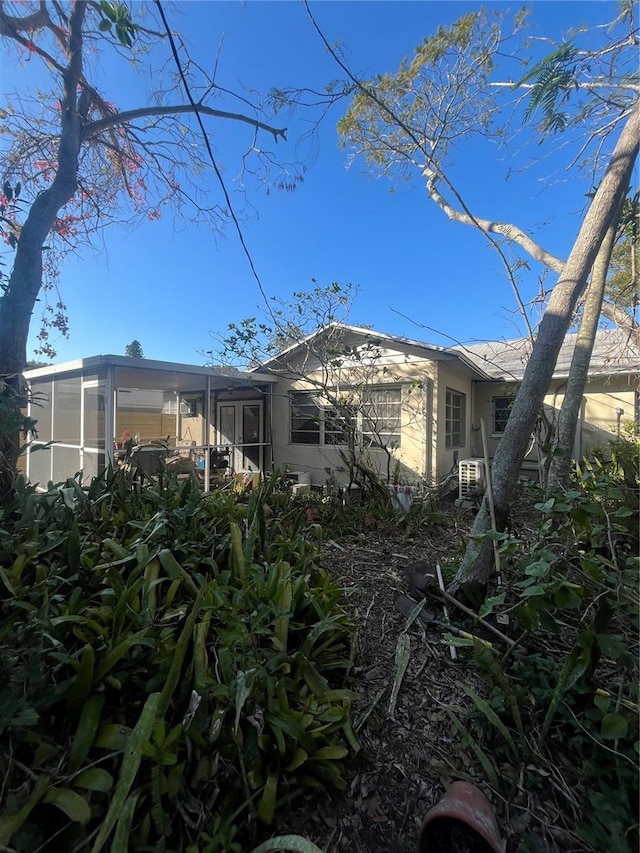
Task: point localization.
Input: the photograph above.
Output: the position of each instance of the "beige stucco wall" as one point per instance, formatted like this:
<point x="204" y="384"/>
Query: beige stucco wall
<point x="598" y="418"/>
<point x="458" y="378"/>
<point x="598" y="421"/>
<point x="415" y="376"/>
<point x="423" y="454"/>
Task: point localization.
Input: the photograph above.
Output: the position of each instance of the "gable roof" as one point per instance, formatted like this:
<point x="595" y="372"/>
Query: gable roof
<point x="615" y="351"/>
<point x="397" y="342"/>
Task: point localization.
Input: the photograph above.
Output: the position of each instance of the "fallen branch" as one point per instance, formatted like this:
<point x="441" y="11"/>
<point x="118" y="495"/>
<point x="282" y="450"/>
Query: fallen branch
<point x="467" y="610"/>
<point x="422" y="581"/>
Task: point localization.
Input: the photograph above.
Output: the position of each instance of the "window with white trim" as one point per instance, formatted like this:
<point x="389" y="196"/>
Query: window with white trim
<point x="454" y="419"/>
<point x="305" y="419"/>
<point x="377" y="419"/>
<point x="381" y="421"/>
<point x="336" y="427"/>
<point x="501" y="411"/>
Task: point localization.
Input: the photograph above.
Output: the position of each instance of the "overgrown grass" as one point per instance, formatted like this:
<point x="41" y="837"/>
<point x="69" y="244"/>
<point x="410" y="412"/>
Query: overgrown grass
<point x="172" y="668"/>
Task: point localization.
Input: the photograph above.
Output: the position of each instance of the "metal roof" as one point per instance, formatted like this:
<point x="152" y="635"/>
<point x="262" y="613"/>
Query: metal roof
<point x="146" y="364"/>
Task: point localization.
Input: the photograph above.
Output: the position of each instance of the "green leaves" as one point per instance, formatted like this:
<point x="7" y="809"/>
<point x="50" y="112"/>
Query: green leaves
<point x="403" y="647"/>
<point x="118" y="17"/>
<point x="75" y="807"/>
<point x="574" y="587"/>
<point x="554" y="77"/>
<point x="614" y="727"/>
<point x="405" y="119"/>
<point x="172" y="637"/>
<point x="130" y="764"/>
<point x="12" y="821"/>
<point x="94" y="779"/>
<point x="295" y="843"/>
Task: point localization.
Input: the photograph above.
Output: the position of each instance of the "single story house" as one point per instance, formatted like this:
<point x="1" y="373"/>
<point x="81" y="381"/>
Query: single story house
<point x="415" y="408"/>
<point x="425" y="403"/>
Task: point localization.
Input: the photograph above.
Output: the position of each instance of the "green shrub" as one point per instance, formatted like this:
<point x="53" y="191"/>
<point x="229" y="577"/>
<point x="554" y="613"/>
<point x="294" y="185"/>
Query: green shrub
<point x="563" y="704"/>
<point x="172" y="667"/>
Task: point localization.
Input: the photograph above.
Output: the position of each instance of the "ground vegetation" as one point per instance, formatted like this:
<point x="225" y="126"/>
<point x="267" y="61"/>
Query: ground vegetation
<point x="206" y="672"/>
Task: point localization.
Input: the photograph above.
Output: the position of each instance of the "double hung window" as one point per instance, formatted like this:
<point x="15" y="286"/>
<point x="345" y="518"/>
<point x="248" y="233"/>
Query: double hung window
<point x="374" y="415"/>
<point x="381" y="422"/>
<point x="305" y="419"/>
<point x="501" y="411"/>
<point x="455" y="416"/>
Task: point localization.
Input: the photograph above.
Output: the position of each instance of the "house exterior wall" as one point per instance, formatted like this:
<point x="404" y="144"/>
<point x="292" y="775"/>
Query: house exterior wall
<point x="457" y="379"/>
<point x="413" y="461"/>
<point x="598" y="418"/>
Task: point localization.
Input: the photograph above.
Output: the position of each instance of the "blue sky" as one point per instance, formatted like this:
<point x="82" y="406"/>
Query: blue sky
<point x="169" y="284"/>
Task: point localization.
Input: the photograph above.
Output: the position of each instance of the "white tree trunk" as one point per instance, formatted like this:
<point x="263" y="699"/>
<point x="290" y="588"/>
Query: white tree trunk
<point x="560" y="469"/>
<point x="475" y="569"/>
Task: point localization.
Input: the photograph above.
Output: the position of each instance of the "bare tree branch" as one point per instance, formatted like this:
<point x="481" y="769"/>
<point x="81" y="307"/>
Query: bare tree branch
<point x="128" y="116"/>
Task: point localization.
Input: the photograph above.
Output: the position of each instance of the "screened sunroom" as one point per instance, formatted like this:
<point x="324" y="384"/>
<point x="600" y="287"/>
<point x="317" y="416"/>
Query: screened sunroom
<point x="103" y="410"/>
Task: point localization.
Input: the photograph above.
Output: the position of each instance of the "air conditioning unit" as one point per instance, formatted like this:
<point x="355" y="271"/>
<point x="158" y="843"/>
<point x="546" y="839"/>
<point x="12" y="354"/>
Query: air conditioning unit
<point x="300" y="478"/>
<point x="471" y="477"/>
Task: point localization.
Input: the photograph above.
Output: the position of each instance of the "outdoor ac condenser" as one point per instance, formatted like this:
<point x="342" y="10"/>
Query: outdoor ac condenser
<point x="299" y="477"/>
<point x="471" y="477"/>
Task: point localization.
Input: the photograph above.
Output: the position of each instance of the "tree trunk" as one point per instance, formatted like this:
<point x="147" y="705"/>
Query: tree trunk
<point x="25" y="281"/>
<point x="560" y="469"/>
<point x="475" y="569"/>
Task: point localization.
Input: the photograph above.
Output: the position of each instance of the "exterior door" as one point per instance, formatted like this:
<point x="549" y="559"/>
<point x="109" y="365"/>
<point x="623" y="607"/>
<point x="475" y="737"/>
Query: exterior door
<point x="240" y="426"/>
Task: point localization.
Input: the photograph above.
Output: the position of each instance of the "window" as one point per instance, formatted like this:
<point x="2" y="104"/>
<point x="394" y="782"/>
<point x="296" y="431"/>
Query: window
<point x="382" y="418"/>
<point x="336" y="427"/>
<point x="377" y="419"/>
<point x="170" y="405"/>
<point x="305" y="419"/>
<point x="455" y="414"/>
<point x="501" y="412"/>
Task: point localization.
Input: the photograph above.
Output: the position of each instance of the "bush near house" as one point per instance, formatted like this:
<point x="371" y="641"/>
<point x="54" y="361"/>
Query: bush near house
<point x="171" y="668"/>
<point x="559" y="720"/>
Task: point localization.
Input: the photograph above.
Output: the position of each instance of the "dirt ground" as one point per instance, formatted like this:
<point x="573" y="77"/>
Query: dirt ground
<point x="408" y="755"/>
